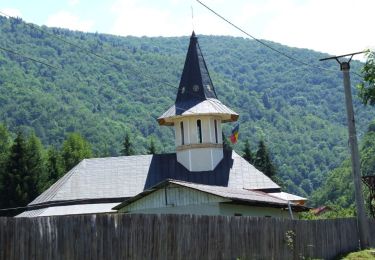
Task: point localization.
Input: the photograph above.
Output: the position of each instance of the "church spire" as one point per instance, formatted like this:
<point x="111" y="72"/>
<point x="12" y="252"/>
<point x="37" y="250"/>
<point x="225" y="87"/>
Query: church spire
<point x="196" y="93"/>
<point x="197" y="115"/>
<point x="195" y="84"/>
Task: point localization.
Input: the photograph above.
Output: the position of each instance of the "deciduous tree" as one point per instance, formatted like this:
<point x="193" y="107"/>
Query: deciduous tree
<point x="74" y="149"/>
<point x="152" y="148"/>
<point x="35" y="162"/>
<point x="367" y="87"/>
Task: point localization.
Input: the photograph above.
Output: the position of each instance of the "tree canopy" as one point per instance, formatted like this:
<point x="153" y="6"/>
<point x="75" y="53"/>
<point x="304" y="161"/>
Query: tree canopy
<point x="367" y="87"/>
<point x="27" y="168"/>
<point x="338" y="189"/>
<point x="127" y="146"/>
<point x="299" y="110"/>
<point x="74" y="149"/>
<point x="247" y="153"/>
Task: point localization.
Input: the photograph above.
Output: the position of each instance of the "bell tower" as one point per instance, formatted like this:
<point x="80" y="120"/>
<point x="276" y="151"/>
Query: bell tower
<point x="197" y="115"/>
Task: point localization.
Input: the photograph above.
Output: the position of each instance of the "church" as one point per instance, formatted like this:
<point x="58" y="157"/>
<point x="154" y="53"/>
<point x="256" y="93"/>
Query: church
<point x="201" y="177"/>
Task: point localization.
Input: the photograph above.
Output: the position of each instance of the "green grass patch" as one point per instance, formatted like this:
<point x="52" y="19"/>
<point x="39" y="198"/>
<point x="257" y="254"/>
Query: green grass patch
<point x="365" y="254"/>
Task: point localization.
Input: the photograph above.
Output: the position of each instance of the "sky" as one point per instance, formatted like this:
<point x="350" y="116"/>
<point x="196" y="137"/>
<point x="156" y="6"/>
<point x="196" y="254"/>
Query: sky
<point x="331" y="26"/>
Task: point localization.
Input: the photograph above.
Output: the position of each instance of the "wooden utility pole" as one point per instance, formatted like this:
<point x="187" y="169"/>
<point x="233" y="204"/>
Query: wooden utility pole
<point x="362" y="222"/>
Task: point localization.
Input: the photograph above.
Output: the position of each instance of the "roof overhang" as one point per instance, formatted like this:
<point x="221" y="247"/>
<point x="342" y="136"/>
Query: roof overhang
<point x="208" y="107"/>
<point x="277" y="203"/>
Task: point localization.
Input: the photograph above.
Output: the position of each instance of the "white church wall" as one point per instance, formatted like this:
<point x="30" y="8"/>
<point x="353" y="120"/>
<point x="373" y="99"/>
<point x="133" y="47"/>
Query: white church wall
<point x="175" y="199"/>
<point x="172" y="196"/>
<point x="197" y="156"/>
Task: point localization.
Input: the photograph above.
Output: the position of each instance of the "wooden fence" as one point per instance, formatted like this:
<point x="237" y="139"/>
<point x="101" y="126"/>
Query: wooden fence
<point x="120" y="236"/>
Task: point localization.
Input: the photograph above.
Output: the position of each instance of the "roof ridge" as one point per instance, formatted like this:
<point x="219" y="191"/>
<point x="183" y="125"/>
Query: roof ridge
<point x="55" y="187"/>
<point x="114" y="157"/>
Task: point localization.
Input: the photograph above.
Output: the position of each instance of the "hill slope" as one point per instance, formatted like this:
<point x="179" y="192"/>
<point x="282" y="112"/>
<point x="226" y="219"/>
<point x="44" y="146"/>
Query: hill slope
<point x="299" y="111"/>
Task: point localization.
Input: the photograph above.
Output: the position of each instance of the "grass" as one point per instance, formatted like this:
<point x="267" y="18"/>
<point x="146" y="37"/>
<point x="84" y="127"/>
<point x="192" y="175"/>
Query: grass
<point x="365" y="254"/>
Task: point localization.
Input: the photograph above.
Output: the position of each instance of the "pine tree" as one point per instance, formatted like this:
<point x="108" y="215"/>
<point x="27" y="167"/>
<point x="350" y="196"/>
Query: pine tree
<point x="15" y="177"/>
<point x="127" y="146"/>
<point x="152" y="148"/>
<point x="247" y="154"/>
<point x="5" y="145"/>
<point x="263" y="161"/>
<point x="74" y="149"/>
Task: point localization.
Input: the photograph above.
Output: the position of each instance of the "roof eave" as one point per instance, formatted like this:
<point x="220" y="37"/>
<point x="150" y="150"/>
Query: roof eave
<point x="225" y="118"/>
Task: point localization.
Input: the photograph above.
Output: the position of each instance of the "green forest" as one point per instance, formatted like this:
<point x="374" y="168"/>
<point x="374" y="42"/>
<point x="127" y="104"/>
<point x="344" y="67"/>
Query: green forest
<point x="105" y="87"/>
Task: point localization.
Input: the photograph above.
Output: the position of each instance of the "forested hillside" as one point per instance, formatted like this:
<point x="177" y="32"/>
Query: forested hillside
<point x="297" y="110"/>
<point x="338" y="189"/>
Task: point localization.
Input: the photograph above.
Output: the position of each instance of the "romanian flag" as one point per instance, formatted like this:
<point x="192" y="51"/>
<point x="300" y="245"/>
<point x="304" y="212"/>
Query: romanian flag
<point x="234" y="136"/>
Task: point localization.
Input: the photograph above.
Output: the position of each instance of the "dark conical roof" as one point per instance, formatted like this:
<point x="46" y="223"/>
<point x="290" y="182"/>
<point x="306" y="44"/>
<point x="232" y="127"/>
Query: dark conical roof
<point x="195" y="85"/>
<point x="196" y="93"/>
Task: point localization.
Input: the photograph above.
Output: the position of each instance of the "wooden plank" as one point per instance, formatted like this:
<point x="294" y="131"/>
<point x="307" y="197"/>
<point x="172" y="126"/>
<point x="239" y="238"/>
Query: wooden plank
<point x="121" y="236"/>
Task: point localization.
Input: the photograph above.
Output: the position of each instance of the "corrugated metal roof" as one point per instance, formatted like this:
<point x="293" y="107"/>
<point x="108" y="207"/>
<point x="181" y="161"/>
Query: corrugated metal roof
<point x="209" y="106"/>
<point x="70" y="210"/>
<point x="233" y="194"/>
<point x="127" y="176"/>
<point x="31" y="213"/>
<point x="287" y="196"/>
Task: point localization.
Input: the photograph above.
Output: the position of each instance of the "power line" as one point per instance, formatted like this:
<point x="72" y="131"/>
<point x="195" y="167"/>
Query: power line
<point x="111" y="62"/>
<point x="27" y="57"/>
<point x="87" y="51"/>
<point x="266" y="44"/>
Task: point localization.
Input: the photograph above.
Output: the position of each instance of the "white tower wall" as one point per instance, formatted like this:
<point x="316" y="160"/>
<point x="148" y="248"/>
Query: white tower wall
<point x="194" y="153"/>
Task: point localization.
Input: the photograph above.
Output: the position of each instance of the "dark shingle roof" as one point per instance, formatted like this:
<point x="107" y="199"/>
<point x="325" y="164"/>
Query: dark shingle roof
<point x="195" y="84"/>
<point x="196" y="93"/>
<point x="127" y="176"/>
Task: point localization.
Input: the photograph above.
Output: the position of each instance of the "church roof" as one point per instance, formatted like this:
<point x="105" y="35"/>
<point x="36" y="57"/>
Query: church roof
<point x="69" y="210"/>
<point x="195" y="84"/>
<point x="210" y="106"/>
<point x="233" y="194"/>
<point x="196" y="92"/>
<point x="113" y="179"/>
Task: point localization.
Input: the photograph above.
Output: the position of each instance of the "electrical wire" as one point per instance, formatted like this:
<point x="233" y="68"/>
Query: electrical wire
<point x="266" y="44"/>
<point x="27" y="57"/>
<point x="87" y="51"/>
<point x="109" y="61"/>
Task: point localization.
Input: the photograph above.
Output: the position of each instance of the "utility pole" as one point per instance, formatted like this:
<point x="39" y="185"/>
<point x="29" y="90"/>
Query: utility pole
<point x="362" y="222"/>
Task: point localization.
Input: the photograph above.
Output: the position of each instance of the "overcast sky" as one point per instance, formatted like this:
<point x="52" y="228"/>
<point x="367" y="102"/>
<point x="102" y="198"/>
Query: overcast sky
<point x="332" y="26"/>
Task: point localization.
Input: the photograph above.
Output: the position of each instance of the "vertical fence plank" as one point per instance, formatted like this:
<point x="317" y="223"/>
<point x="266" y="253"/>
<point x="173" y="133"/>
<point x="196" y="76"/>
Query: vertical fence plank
<point x="121" y="236"/>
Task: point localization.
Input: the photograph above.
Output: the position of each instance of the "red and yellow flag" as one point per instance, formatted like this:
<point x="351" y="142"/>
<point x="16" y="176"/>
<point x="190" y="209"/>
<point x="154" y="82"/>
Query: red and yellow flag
<point x="234" y="136"/>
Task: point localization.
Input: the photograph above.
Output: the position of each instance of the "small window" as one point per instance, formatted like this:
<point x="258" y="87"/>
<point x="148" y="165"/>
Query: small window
<point x="182" y="133"/>
<point x="237" y="214"/>
<point x="199" y="130"/>
<point x="215" y="123"/>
